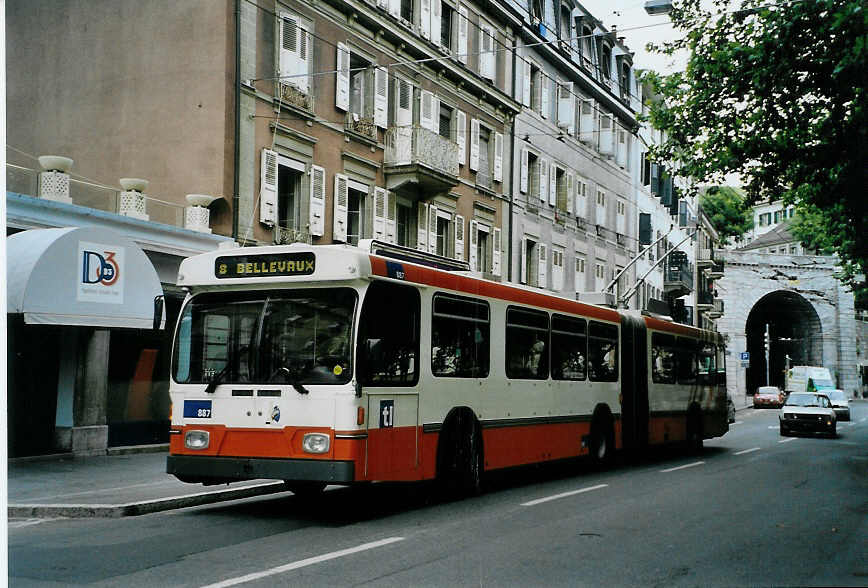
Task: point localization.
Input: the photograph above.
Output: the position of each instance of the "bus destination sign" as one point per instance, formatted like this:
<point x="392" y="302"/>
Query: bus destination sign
<point x="265" y="265"/>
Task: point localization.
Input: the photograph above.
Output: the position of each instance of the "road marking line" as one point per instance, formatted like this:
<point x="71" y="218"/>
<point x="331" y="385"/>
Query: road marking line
<point x="752" y="449"/>
<point x="773" y="426"/>
<point x="675" y="469"/>
<point x="737" y="423"/>
<point x="787" y="440"/>
<point x="563" y="495"/>
<point x="304" y="563"/>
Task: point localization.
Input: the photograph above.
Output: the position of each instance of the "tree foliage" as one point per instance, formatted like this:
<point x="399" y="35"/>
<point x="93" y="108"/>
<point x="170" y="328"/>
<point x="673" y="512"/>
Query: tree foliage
<point x="775" y="92"/>
<point x="727" y="211"/>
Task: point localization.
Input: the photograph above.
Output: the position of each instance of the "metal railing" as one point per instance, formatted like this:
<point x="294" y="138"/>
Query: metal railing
<point x="415" y="145"/>
<point x="25" y="181"/>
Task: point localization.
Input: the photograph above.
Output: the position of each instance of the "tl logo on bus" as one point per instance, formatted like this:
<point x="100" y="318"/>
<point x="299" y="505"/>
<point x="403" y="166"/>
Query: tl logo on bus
<point x="99" y="268"/>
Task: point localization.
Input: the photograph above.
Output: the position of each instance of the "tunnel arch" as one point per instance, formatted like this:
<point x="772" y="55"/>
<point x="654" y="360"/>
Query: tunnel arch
<point x="795" y="334"/>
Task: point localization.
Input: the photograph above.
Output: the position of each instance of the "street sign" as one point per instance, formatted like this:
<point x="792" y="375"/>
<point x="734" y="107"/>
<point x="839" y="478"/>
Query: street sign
<point x="744" y="356"/>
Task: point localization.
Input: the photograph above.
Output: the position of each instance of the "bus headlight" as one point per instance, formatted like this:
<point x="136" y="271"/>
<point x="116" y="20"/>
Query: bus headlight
<point x="197" y="439"/>
<point x="315" y="443"/>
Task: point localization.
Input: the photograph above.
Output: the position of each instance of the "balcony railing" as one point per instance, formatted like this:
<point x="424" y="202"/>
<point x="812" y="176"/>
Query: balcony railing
<point x="678" y="276"/>
<point x="294" y="97"/>
<point x="362" y="125"/>
<point x="483" y="180"/>
<point x="418" y="146"/>
<point x="22" y="180"/>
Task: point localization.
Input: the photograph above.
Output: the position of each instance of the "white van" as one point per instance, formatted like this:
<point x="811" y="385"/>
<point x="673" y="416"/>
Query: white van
<point x="806" y="378"/>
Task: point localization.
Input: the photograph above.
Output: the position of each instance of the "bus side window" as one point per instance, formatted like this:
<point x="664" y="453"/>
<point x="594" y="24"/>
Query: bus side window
<point x="602" y="352"/>
<point x="569" y="348"/>
<point x="527" y="349"/>
<point x="686" y="360"/>
<point x="460" y="330"/>
<point x="662" y="358"/>
<point x="389" y="336"/>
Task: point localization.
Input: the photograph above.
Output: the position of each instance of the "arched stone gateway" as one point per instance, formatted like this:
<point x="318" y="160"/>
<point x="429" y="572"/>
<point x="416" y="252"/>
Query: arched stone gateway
<point x="782" y="330"/>
<point x="809" y="313"/>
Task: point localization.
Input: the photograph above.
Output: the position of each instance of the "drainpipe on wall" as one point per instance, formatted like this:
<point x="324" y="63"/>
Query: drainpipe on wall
<point x="236" y="197"/>
<point x="512" y="180"/>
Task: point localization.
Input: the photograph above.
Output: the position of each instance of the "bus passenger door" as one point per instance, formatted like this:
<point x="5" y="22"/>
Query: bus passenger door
<point x="392" y="451"/>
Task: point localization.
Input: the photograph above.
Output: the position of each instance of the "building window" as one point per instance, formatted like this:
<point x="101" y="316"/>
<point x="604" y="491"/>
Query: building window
<point x="533" y="171"/>
<point x="587" y="47"/>
<point x="360" y="86"/>
<point x="606" y="63"/>
<point x="557" y="269"/>
<point x="562" y="189"/>
<point x="444" y="124"/>
<point x="536" y="84"/>
<point x="443" y="235"/>
<point x="624" y="81"/>
<point x="356" y="203"/>
<point x="289" y="196"/>
<point x="482" y="249"/>
<point x="579" y="278"/>
<point x="446" y="26"/>
<point x="407" y="10"/>
<point x="405" y="224"/>
<point x="599" y="275"/>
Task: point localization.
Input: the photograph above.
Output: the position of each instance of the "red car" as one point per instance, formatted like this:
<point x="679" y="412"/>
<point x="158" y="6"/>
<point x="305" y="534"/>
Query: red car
<point x="771" y="396"/>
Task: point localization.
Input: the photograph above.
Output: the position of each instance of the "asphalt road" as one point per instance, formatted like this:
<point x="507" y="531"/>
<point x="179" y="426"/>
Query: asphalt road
<point x="753" y="509"/>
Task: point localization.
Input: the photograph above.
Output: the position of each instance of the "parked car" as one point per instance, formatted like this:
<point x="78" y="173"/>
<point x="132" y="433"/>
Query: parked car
<point x="840" y="403"/>
<point x="808" y="412"/>
<point x="730" y="409"/>
<point x="768" y="396"/>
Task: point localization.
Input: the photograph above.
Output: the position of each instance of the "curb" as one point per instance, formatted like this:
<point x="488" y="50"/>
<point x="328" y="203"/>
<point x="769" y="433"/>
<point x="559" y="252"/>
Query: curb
<point x="42" y="511"/>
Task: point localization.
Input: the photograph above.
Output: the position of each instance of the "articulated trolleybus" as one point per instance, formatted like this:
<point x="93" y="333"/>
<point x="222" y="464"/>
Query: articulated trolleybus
<point x="339" y="365"/>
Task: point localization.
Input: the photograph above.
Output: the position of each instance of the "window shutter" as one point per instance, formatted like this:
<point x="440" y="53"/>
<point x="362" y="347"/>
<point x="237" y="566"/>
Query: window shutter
<point x="395" y="8"/>
<point x="586" y="122"/>
<point x="522" y="274"/>
<point x="288" y="55"/>
<point x="459" y="237"/>
<point x="566" y="107"/>
<point x="422" y="227"/>
<point x="498" y="157"/>
<point x="474" y="239"/>
<point x="522" y="186"/>
<point x="570" y="192"/>
<point x="606" y="135"/>
<point x="425" y="18"/>
<point x="461" y="136"/>
<point x="341" y="198"/>
<point x="543" y="180"/>
<point x="543" y="258"/>
<point x="381" y="97"/>
<point x="391" y="217"/>
<point x="545" y="107"/>
<point x="426" y="114"/>
<point x="525" y="91"/>
<point x="487" y="56"/>
<point x="342" y="78"/>
<point x="432" y="228"/>
<point x="317" y="201"/>
<point x="474" y="144"/>
<point x="495" y="252"/>
<point x="462" y="34"/>
<point x="268" y="188"/>
<point x="404" y="111"/>
<point x="380" y="214"/>
<point x="553" y="185"/>
<point x="435" y="115"/>
<point x="305" y="59"/>
<point x="436" y="20"/>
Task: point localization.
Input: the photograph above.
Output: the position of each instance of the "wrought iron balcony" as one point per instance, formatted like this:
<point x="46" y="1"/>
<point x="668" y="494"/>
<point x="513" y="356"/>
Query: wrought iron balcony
<point x="705" y="258"/>
<point x="422" y="157"/>
<point x="678" y="278"/>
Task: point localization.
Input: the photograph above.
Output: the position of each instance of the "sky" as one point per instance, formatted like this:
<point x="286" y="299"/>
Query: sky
<point x="637" y="28"/>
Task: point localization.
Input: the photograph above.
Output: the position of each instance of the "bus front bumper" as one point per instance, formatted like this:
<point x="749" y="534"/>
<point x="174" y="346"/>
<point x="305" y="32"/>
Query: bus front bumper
<point x="220" y="470"/>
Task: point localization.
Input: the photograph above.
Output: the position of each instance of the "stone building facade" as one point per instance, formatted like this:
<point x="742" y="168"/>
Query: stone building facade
<point x="808" y="313"/>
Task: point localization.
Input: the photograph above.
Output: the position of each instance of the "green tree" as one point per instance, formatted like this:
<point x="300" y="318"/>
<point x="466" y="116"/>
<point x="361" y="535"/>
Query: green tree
<point x="727" y="210"/>
<point x="775" y="92"/>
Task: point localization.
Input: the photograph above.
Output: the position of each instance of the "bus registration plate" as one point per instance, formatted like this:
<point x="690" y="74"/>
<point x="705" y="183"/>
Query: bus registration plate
<point x="197" y="409"/>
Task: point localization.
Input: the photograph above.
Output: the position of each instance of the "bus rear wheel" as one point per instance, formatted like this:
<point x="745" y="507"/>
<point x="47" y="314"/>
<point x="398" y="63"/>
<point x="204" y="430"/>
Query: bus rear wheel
<point x="461" y="461"/>
<point x="602" y="441"/>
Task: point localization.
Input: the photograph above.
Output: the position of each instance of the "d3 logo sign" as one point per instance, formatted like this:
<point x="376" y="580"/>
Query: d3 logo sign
<point x="99" y="269"/>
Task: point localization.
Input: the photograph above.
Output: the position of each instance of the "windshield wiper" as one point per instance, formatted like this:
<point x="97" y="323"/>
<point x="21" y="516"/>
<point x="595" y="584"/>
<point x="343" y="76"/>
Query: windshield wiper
<point x="217" y="379"/>
<point x="290" y="379"/>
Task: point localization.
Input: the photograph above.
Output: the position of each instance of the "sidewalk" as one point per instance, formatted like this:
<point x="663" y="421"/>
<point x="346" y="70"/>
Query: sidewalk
<point x="111" y="486"/>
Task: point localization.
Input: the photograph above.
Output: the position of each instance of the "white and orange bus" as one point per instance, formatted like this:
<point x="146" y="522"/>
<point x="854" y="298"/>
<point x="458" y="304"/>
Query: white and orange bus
<point x="338" y="365"/>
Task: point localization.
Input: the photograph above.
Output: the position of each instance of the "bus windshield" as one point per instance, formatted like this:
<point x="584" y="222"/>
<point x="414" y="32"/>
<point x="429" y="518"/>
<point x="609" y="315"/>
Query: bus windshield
<point x="278" y="337"/>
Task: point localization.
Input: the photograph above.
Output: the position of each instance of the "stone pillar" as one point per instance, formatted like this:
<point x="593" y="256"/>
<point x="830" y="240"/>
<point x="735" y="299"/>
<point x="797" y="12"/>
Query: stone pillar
<point x="90" y="431"/>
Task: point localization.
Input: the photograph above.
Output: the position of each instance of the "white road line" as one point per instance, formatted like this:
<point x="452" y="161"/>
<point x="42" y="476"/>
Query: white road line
<point x="563" y="495"/>
<point x="737" y="423"/>
<point x="751" y="450"/>
<point x="675" y="469"/>
<point x="787" y="440"/>
<point x="774" y="426"/>
<point x="304" y="563"/>
<point x="105" y="490"/>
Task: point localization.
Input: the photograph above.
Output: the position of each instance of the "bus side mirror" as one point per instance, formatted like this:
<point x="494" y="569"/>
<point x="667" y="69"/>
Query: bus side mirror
<point x="158" y="311"/>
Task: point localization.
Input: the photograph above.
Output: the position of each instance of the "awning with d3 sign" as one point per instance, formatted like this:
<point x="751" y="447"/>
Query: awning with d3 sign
<point x="85" y="276"/>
